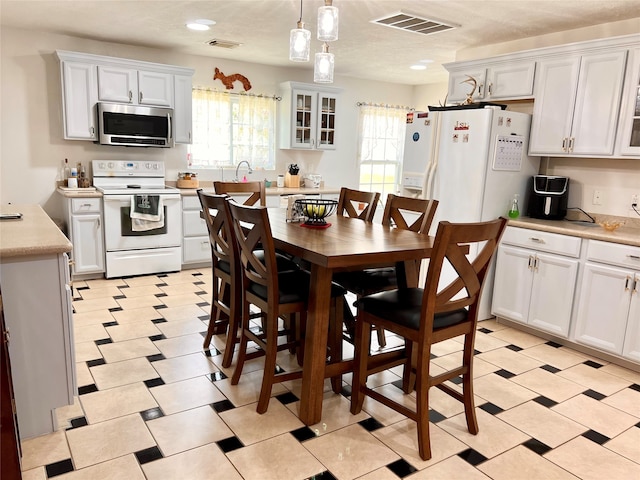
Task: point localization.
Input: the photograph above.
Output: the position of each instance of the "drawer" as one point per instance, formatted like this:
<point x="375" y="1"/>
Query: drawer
<point x="192" y="224"/>
<point x="191" y="203"/>
<point x="196" y="250"/>
<point x="543" y="241"/>
<point x="86" y="205"/>
<point x="614" y="254"/>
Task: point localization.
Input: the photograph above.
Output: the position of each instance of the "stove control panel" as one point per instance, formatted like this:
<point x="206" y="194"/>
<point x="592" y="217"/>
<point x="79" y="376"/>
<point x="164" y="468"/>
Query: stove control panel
<point x="128" y="168"/>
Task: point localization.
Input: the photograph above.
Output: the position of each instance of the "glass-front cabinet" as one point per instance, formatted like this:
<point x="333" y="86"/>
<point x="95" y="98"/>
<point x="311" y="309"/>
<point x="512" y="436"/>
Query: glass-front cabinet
<point x="629" y="125"/>
<point x="308" y="116"/>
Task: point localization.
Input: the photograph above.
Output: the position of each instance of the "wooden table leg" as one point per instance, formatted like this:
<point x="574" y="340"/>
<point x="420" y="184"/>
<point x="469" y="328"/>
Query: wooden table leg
<point x="407" y="275"/>
<point x="315" y="345"/>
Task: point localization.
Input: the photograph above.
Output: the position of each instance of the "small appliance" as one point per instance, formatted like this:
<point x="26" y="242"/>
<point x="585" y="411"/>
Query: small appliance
<point x="548" y="197"/>
<point x="134" y="125"/>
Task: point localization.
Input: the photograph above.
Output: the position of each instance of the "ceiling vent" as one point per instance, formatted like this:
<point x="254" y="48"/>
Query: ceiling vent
<point x="414" y="23"/>
<point x="216" y="42"/>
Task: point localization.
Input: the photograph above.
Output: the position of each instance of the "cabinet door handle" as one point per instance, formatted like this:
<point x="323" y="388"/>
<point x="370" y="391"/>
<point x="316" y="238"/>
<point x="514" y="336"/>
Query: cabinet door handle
<point x="536" y="239"/>
<point x="535" y="264"/>
<point x="92" y="131"/>
<point x="532" y="262"/>
<point x="130" y="96"/>
<point x="626" y="283"/>
<point x="490" y="88"/>
<point x="571" y="142"/>
<point x="98" y="225"/>
<point x="480" y="87"/>
<point x="564" y="144"/>
<point x="140" y="97"/>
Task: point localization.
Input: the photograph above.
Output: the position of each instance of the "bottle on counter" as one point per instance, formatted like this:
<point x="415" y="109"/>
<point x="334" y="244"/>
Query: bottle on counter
<point x="514" y="209"/>
<point x="66" y="172"/>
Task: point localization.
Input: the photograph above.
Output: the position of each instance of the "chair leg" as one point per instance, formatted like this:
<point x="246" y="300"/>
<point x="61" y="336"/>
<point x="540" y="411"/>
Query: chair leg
<point x="271" y="352"/>
<point x="360" y="361"/>
<point x="382" y="340"/>
<point x="422" y="411"/>
<point x="408" y="375"/>
<point x="232" y="330"/>
<point x="217" y="324"/>
<point x="467" y="386"/>
<point x="242" y="348"/>
<point x="335" y="339"/>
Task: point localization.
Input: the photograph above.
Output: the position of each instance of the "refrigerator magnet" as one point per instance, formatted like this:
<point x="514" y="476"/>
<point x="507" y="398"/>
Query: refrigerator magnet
<point x="455" y="138"/>
<point x="465" y="138"/>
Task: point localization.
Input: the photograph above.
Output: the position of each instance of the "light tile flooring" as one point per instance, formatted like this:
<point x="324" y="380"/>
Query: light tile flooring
<point x="152" y="404"/>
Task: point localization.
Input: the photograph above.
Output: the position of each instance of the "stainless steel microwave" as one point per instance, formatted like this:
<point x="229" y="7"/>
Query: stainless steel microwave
<point x="134" y="125"/>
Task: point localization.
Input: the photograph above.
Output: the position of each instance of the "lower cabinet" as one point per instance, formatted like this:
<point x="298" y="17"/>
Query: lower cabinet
<point x="195" y="242"/>
<point x="84" y="221"/>
<point x="535" y="279"/>
<point x="609" y="307"/>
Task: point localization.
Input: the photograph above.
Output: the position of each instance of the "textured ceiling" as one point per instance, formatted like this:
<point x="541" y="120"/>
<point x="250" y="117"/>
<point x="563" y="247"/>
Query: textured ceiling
<point x="364" y="50"/>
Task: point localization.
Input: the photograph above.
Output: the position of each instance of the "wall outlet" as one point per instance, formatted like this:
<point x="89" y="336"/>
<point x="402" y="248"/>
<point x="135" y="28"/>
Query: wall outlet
<point x="597" y="197"/>
<point x="634" y="200"/>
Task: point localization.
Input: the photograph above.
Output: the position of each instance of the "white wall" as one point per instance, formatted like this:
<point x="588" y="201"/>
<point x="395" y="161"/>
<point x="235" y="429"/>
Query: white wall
<point x="33" y="150"/>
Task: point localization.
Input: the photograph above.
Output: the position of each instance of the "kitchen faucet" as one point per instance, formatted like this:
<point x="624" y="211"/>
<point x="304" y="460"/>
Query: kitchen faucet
<point x="249" y="169"/>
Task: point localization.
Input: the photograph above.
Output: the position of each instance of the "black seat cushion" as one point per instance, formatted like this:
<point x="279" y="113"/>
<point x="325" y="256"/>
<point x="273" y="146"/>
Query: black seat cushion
<point x="293" y="287"/>
<point x="364" y="282"/>
<point x="402" y="306"/>
<point x="224" y="266"/>
<point x="284" y="264"/>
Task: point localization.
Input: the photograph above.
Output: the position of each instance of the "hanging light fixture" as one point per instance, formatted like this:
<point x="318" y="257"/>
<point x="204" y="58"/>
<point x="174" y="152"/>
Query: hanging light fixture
<point x="323" y="66"/>
<point x="328" y="22"/>
<point x="299" y="42"/>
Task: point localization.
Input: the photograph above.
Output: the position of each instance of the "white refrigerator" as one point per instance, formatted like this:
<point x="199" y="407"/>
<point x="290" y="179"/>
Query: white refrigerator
<point x="472" y="161"/>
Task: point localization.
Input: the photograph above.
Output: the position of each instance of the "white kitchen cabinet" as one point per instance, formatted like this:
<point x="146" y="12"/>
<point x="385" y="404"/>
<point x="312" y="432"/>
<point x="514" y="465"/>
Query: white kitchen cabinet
<point x="308" y="116"/>
<point x="535" y="279"/>
<point x="182" y="119"/>
<point x="500" y="81"/>
<point x="84" y="221"/>
<point x="609" y="307"/>
<point x="196" y="247"/>
<point x="79" y="96"/>
<point x="577" y="101"/>
<point x="139" y="87"/>
<point x="629" y="124"/>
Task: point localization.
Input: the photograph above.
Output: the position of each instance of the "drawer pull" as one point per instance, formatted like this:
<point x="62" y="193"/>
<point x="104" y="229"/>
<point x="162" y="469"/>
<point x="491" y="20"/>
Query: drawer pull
<point x="537" y="240"/>
<point x="626" y="283"/>
<point x="634" y="257"/>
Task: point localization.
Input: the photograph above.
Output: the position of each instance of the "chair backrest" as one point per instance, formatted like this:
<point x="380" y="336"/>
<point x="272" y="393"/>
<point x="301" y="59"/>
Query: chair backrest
<point x="253" y="234"/>
<point x="351" y="201"/>
<point x="215" y="210"/>
<point x="452" y="242"/>
<point x="255" y="189"/>
<point x="397" y="206"/>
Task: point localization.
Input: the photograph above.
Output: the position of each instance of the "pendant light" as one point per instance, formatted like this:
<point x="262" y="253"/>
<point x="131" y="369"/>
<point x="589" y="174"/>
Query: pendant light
<point x="299" y="41"/>
<point x="328" y="22"/>
<point x="323" y="66"/>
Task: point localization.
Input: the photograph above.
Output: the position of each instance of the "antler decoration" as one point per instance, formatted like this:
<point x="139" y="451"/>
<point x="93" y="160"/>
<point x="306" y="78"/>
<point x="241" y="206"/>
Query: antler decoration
<point x="471" y="81"/>
<point x="228" y="80"/>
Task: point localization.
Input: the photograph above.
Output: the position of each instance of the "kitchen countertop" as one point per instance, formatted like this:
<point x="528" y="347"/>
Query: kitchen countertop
<point x="34" y="234"/>
<point x="78" y="192"/>
<point x="271" y="191"/>
<point x="627" y="235"/>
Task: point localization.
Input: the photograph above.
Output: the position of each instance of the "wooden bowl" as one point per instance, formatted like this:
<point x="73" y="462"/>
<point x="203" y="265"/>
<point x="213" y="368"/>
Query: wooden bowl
<point x="611" y="226"/>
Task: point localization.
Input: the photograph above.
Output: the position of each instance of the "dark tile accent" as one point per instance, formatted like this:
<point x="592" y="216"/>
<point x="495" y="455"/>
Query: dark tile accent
<point x="637" y="425"/>
<point x="593" y="364"/>
<point x="303" y="433"/>
<point x="435" y="416"/>
<point x="222" y="406"/>
<point x="82" y="288"/>
<point x="199" y="282"/>
<point x="162" y="275"/>
<point x="110" y="324"/>
<point x="96" y="362"/>
<point x="159" y="295"/>
<point x="156" y="357"/>
<point x="635" y="387"/>
<point x="536" y="446"/>
<point x="472" y="457"/>
<point x="594" y="394"/>
<point x="119" y="297"/>
<point x="154" y="382"/>
<point x="155" y="338"/>
<point x="229" y="444"/>
<point x="124" y="286"/>
<point x="553" y="344"/>
<point x="596" y="437"/>
<point x="370" y="424"/>
<point x="432" y="356"/>
<point x="278" y="370"/>
<point x="217" y="376"/>
<point x="550" y="368"/>
<point x="203" y="317"/>
<point x="148" y="455"/>
<point x="401" y="468"/>
<point x="77" y="423"/>
<point x="326" y="475"/>
<point x="515" y="348"/>
<point x="286" y="398"/>
<point x="160" y="307"/>
<point x="485" y="330"/>
<point x="197" y="274"/>
<point x="346" y="391"/>
<point x="115" y="309"/>
<point x="545" y="402"/>
<point x="103" y="341"/>
<point x="397" y="384"/>
<point x="491" y="408"/>
<point x="59" y="468"/>
<point x="87" y="389"/>
<point x="152" y="413"/>
<point x="476" y="352"/>
<point x="200" y="292"/>
<point x="505" y="373"/>
<point x="211" y="352"/>
<point x="159" y="320"/>
<point x="456" y="380"/>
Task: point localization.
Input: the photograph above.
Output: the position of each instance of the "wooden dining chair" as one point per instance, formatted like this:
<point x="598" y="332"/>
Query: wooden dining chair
<point x="283" y="294"/>
<point x="351" y="202"/>
<point x="407" y="213"/>
<point x="255" y="190"/>
<point x="427" y="316"/>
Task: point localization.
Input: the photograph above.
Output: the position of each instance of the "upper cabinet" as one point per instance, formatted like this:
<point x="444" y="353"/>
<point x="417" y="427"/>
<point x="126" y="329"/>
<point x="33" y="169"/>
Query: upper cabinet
<point x="629" y="125"/>
<point x="308" y="116"/>
<point x="502" y="80"/>
<point x="139" y="87"/>
<point x="88" y="79"/>
<point x="577" y="101"/>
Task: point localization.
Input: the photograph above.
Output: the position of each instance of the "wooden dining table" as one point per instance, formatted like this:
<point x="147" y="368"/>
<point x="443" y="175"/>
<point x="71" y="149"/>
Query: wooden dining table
<point x="347" y="244"/>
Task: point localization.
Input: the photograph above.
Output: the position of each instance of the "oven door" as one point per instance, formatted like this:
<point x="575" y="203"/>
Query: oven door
<point x="119" y="235"/>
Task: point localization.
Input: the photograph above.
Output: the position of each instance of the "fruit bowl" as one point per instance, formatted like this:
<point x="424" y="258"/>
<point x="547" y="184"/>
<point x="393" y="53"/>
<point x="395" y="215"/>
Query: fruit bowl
<point x="316" y="210"/>
<point x="611" y="226"/>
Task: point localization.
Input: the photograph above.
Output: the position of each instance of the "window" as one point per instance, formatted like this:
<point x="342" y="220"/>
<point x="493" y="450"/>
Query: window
<point x="381" y="146"/>
<point x="228" y="129"/>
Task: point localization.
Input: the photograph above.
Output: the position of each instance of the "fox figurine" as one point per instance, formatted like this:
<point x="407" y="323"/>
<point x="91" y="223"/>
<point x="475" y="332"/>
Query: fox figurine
<point x="228" y="80"/>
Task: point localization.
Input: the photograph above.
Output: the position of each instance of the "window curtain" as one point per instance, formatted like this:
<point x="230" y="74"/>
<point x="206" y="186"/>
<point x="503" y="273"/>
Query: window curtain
<point x="381" y="130"/>
<point x="211" y="126"/>
<point x="254" y="130"/>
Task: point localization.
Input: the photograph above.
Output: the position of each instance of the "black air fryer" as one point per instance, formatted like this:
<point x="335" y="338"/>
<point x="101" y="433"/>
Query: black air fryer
<point x="548" y="197"/>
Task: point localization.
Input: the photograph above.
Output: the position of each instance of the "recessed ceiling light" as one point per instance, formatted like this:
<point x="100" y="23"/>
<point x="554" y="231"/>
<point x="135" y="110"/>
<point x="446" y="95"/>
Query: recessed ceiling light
<point x="200" y="24"/>
<point x="418" y="66"/>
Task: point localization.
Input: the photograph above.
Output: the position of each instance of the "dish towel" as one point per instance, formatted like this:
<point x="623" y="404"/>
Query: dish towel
<point x="147" y="212"/>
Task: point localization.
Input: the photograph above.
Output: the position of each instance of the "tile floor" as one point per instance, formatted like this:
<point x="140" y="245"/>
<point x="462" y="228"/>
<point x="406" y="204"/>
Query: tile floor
<point x="152" y="404"/>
